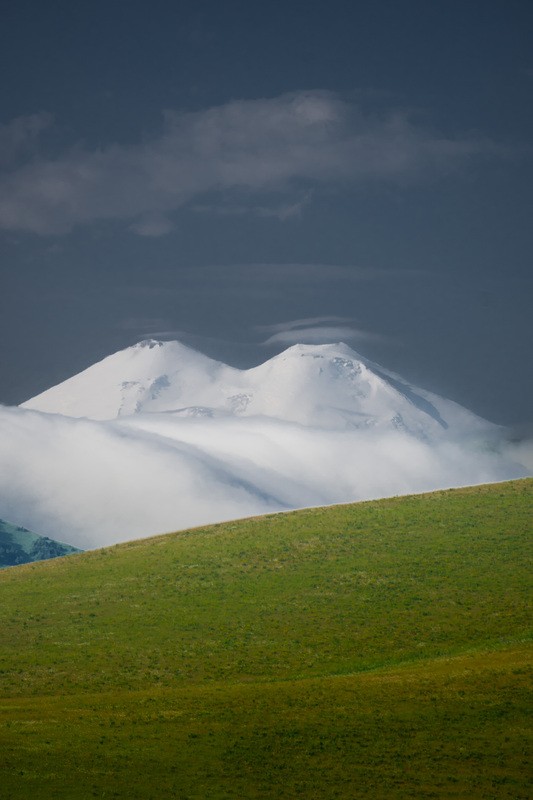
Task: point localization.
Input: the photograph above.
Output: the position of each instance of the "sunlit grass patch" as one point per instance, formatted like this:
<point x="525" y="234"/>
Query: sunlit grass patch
<point x="369" y="650"/>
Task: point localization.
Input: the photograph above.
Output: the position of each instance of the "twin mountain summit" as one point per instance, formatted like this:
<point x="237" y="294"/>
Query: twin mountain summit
<point x="159" y="437"/>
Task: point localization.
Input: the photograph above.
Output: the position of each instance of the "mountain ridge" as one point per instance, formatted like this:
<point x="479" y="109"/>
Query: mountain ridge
<point x="170" y="439"/>
<point x="18" y="545"/>
<point x="329" y="385"/>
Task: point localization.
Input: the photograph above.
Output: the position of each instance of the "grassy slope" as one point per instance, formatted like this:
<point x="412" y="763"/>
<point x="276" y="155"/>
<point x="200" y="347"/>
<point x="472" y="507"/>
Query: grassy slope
<point x="370" y="650"/>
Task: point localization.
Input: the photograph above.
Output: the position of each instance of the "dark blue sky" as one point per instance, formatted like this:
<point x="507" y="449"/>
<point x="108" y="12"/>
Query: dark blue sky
<point x="236" y="173"/>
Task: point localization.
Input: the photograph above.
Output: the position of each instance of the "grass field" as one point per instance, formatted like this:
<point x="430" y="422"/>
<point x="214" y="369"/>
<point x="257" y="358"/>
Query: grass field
<point x="374" y="650"/>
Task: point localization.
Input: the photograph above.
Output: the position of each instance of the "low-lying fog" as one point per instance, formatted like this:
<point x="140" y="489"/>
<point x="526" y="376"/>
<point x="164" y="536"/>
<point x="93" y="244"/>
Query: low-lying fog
<point x="92" y="483"/>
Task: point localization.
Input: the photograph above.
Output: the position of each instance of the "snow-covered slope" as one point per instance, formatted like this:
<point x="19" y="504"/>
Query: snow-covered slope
<point x="328" y="386"/>
<point x="150" y="376"/>
<point x="158" y="437"/>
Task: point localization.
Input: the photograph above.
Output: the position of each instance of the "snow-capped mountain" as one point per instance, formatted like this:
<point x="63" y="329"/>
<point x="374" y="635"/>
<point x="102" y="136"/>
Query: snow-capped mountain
<point x="329" y="386"/>
<point x="159" y="437"/>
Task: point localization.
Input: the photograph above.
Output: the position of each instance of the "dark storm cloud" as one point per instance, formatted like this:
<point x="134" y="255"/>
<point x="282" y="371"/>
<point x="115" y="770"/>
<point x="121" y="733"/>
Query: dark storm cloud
<point x="152" y="225"/>
<point x="278" y="210"/>
<point x="19" y="138"/>
<point x="297" y="274"/>
<point x="247" y="147"/>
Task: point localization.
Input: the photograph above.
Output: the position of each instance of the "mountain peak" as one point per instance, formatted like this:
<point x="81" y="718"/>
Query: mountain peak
<point x="321" y="350"/>
<point x="180" y="439"/>
<point x="149" y="343"/>
<point x="325" y="385"/>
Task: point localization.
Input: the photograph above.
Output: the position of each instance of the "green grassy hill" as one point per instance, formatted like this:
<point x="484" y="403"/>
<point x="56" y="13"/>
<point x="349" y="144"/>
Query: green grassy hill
<point x="20" y="546"/>
<point x="374" y="650"/>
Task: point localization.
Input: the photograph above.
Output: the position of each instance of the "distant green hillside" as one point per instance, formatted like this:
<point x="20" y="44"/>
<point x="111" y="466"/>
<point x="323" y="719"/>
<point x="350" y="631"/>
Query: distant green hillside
<point x="20" y="546"/>
<point x="374" y="650"/>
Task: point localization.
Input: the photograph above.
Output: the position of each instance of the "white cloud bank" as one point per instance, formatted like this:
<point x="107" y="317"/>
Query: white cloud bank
<point x="248" y="146"/>
<point x="95" y="483"/>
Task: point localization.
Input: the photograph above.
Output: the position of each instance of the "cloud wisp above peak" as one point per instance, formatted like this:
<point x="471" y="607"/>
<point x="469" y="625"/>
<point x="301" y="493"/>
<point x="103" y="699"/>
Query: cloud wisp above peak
<point x="281" y="327"/>
<point x="324" y="334"/>
<point x="249" y="148"/>
<point x="319" y="330"/>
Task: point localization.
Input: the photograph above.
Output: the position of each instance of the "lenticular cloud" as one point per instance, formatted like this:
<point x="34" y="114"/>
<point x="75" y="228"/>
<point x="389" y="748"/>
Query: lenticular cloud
<point x="159" y="438"/>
